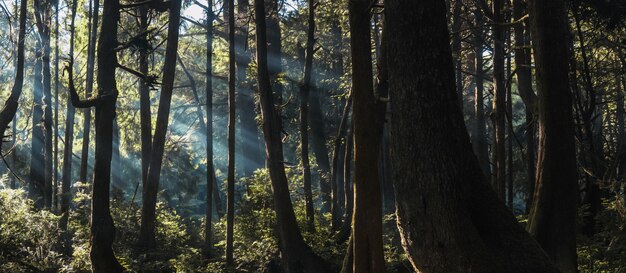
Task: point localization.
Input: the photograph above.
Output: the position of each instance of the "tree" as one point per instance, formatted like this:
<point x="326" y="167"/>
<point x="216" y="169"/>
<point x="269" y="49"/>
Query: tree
<point x="91" y="55"/>
<point x="230" y="183"/>
<point x="296" y="255"/>
<point x="248" y="137"/>
<point x="553" y="223"/>
<point x="479" y="138"/>
<point x="210" y="176"/>
<point x="10" y="106"/>
<point x="499" y="99"/>
<point x="368" y="117"/>
<point x="147" y="237"/>
<point x="69" y="144"/>
<point x="305" y="87"/>
<point x="449" y="218"/>
<point x="102" y="226"/>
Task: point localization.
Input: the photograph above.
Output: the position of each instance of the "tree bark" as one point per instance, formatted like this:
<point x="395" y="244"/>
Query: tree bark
<point x="449" y="218"/>
<point x="553" y="223"/>
<point x="147" y="237"/>
<point x="368" y="122"/>
<point x="297" y="256"/>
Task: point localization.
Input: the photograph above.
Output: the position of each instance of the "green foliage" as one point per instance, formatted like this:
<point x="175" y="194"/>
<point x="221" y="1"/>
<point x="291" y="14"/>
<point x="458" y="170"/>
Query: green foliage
<point x="28" y="239"/>
<point x="606" y="251"/>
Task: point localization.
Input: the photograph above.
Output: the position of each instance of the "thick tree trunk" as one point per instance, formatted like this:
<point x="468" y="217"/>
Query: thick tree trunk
<point x="553" y="216"/>
<point x="9" y="109"/>
<point x="91" y="54"/>
<point x="479" y="137"/>
<point x="305" y="87"/>
<point x="274" y="47"/>
<point x="368" y="122"/>
<point x="297" y="256"/>
<point x="450" y="219"/>
<point x="148" y="209"/>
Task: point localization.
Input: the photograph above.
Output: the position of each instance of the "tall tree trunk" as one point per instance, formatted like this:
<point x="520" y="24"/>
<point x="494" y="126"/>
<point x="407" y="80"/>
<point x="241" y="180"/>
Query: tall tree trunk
<point x="274" y="47"/>
<point x="147" y="237"/>
<point x="457" y="224"/>
<point x="102" y="227"/>
<point x="230" y="183"/>
<point x="248" y="137"/>
<point x="456" y="49"/>
<point x="69" y="147"/>
<point x="91" y="55"/>
<point x="368" y="122"/>
<point x="592" y="122"/>
<point x="145" y="116"/>
<point x="305" y="87"/>
<point x="296" y="255"/>
<point x="479" y="137"/>
<point x="499" y="99"/>
<point x="55" y="166"/>
<point x="9" y="109"/>
<point x="43" y="18"/>
<point x="210" y="172"/>
<point x="338" y="163"/>
<point x="524" y="85"/>
<point x="37" y="162"/>
<point x="552" y="223"/>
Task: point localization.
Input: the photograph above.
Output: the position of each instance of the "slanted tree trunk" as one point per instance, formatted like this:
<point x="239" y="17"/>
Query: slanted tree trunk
<point x="147" y="237"/>
<point x="91" y="55"/>
<point x="230" y="183"/>
<point x="450" y="219"/>
<point x="9" y="109"/>
<point x="553" y="223"/>
<point x="296" y="255"/>
<point x="274" y="47"/>
<point x="368" y="124"/>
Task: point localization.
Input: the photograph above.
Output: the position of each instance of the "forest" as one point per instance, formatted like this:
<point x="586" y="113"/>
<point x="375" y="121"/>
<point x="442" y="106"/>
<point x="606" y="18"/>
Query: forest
<point x="313" y="136"/>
